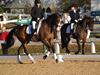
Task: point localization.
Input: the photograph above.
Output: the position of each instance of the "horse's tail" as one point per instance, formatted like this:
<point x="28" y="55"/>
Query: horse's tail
<point x="9" y="40"/>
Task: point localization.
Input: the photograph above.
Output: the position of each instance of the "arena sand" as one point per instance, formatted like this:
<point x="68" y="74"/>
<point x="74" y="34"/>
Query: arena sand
<point x="49" y="67"/>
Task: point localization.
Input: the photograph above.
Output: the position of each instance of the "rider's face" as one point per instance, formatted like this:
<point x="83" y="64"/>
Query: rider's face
<point x="38" y="4"/>
<point x="73" y="8"/>
<point x="65" y="15"/>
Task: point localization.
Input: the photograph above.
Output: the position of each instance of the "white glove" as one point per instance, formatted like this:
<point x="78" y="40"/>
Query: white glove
<point x="80" y="19"/>
<point x="76" y="21"/>
<point x="38" y="18"/>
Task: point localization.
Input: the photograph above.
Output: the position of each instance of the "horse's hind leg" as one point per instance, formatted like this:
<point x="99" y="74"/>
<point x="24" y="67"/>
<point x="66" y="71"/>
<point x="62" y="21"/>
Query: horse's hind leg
<point x="29" y="55"/>
<point x="18" y="55"/>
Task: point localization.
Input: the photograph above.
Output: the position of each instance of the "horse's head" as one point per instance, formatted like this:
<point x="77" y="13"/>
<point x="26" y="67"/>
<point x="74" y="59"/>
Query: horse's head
<point x="89" y="22"/>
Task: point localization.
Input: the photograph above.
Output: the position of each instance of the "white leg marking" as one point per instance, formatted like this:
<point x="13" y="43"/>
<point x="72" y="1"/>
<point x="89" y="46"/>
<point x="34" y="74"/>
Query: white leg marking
<point x="19" y="58"/>
<point x="60" y="58"/>
<point x="48" y="53"/>
<point x="31" y="58"/>
<point x="55" y="56"/>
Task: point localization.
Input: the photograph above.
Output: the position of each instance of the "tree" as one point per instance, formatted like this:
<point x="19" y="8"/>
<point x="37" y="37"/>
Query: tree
<point x="27" y="9"/>
<point x="2" y="8"/>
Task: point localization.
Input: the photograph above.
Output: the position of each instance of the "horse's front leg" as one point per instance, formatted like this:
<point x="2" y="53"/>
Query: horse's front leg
<point x="29" y="55"/>
<point x="79" y="47"/>
<point x="83" y="45"/>
<point x="47" y="53"/>
<point x="18" y="55"/>
<point x="67" y="43"/>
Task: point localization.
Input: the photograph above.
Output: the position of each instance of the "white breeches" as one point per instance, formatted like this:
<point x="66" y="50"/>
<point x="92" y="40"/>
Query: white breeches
<point x="34" y="24"/>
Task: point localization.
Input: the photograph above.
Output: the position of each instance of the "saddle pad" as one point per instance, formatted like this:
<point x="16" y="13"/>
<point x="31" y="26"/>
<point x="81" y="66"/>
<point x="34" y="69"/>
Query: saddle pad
<point x="25" y="21"/>
<point x="68" y="29"/>
<point x="28" y="29"/>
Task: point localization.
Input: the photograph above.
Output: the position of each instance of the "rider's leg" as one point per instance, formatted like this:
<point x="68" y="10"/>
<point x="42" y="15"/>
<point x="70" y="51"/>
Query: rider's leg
<point x="34" y="24"/>
<point x="71" y="28"/>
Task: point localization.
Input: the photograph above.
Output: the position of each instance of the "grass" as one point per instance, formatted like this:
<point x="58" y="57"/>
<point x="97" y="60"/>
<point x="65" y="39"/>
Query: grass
<point x="39" y="49"/>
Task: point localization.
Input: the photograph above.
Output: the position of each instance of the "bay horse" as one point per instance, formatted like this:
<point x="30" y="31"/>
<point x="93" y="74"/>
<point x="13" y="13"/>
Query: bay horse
<point x="87" y="23"/>
<point x="46" y="35"/>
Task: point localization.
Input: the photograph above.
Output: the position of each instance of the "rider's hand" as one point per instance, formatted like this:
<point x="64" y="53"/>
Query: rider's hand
<point x="76" y="21"/>
<point x="80" y="19"/>
<point x="38" y="18"/>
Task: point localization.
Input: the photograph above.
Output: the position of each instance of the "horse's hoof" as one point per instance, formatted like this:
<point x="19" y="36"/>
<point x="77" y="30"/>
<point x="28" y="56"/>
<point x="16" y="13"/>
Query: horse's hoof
<point x="44" y="57"/>
<point x="33" y="62"/>
<point x="76" y="52"/>
<point x="59" y="61"/>
<point x="83" y="53"/>
<point x="56" y="60"/>
<point x="68" y="54"/>
<point x="20" y="62"/>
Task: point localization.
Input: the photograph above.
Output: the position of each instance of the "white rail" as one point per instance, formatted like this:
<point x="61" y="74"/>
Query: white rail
<point x="6" y="15"/>
<point x="10" y="21"/>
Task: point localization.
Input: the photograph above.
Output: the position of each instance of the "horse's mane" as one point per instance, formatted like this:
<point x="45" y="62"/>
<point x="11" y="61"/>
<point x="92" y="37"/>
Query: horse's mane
<point x="82" y="22"/>
<point x="86" y="22"/>
<point x="52" y="20"/>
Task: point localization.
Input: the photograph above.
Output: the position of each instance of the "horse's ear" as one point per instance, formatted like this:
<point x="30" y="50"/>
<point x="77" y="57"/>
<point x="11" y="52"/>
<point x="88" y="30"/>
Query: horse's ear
<point x="93" y="18"/>
<point x="85" y="16"/>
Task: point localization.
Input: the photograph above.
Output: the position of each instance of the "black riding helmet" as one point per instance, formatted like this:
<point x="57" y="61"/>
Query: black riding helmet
<point x="37" y="1"/>
<point x="74" y="5"/>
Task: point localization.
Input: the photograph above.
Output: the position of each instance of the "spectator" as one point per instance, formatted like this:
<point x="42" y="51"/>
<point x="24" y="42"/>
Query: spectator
<point x="3" y="36"/>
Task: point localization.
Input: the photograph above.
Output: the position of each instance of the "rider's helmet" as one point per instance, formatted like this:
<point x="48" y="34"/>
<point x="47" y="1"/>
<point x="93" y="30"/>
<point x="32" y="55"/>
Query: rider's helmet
<point x="37" y="2"/>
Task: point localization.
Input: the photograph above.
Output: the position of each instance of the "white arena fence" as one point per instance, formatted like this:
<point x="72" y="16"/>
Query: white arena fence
<point x="7" y="15"/>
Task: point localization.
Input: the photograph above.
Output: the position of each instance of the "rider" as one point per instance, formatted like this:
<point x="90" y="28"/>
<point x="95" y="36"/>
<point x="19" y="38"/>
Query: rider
<point x="74" y="14"/>
<point x="36" y="13"/>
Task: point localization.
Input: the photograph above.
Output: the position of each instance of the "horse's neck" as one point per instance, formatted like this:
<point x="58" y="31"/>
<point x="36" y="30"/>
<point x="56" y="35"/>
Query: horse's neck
<point x="83" y="23"/>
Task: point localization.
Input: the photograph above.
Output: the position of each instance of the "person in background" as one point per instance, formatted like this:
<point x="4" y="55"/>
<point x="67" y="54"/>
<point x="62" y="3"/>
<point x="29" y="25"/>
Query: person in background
<point x="43" y="10"/>
<point x="48" y="12"/>
<point x="67" y="23"/>
<point x="3" y="36"/>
